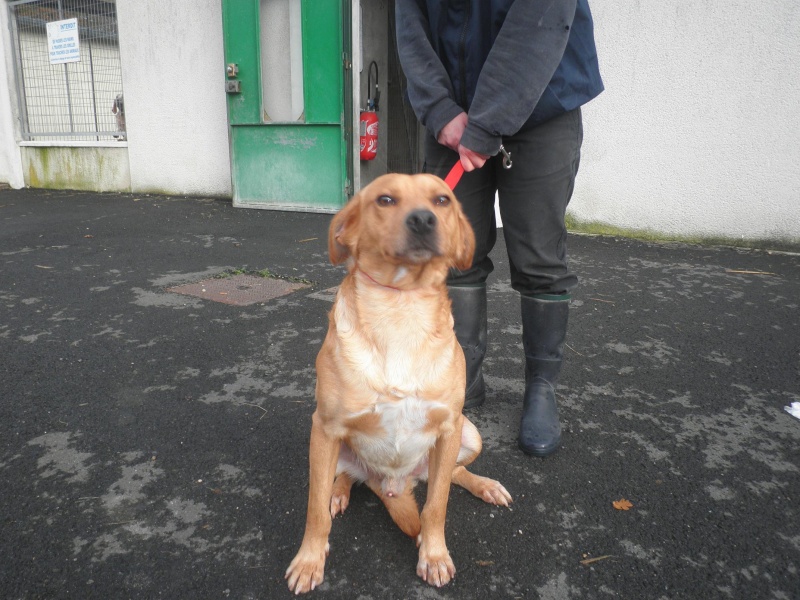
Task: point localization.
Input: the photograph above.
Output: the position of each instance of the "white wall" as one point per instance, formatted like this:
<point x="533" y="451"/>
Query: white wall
<point x="173" y="71"/>
<point x="697" y="131"/>
<point x="10" y="161"/>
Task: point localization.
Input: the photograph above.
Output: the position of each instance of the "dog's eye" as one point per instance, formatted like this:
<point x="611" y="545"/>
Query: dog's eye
<point x="441" y="200"/>
<point x="386" y="201"/>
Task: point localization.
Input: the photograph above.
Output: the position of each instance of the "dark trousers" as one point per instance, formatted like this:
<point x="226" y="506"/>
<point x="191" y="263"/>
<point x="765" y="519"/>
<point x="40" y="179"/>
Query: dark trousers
<point x="533" y="197"/>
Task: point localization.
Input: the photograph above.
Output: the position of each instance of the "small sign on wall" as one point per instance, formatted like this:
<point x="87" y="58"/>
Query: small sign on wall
<point x="63" y="44"/>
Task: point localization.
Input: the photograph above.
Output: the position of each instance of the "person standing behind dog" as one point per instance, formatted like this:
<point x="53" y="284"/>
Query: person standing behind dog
<point x="486" y="74"/>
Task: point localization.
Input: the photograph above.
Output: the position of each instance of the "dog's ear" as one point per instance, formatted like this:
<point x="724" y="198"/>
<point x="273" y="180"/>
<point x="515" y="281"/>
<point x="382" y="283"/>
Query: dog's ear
<point x="343" y="231"/>
<point x="464" y="243"/>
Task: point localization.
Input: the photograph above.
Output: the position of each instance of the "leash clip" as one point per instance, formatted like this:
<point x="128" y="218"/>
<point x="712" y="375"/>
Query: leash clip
<point x="507" y="162"/>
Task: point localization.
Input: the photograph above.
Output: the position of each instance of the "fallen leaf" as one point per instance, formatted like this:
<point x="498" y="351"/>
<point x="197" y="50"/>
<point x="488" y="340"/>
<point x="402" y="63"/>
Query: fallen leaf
<point x="484" y="563"/>
<point x="622" y="504"/>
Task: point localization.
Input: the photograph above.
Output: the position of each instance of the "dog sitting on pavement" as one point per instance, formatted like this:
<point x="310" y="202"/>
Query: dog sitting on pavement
<point x="391" y="375"/>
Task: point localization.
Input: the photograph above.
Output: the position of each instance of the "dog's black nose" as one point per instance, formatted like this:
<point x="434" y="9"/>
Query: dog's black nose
<point x="421" y="221"/>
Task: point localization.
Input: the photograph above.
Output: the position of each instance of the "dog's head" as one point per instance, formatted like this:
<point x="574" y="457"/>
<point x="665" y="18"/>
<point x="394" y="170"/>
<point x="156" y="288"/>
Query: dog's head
<point x="403" y="220"/>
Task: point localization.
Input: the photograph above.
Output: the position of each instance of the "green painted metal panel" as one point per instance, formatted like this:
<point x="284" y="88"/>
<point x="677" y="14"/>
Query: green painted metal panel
<point x="286" y="166"/>
<point x="242" y="46"/>
<point x="301" y="165"/>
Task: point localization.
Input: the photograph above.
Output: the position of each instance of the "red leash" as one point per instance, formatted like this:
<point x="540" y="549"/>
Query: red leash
<point x="454" y="176"/>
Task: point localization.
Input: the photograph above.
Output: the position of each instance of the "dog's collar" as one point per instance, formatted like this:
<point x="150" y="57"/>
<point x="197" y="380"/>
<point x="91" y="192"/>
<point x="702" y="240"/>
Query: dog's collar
<point x="378" y="283"/>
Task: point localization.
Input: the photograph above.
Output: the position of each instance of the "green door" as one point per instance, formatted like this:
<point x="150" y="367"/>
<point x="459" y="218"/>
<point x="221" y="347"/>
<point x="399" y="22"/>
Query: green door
<point x="287" y="115"/>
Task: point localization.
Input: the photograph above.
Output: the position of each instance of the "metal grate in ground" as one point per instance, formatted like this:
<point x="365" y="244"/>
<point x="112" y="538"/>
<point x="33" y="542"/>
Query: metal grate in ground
<point x="239" y="290"/>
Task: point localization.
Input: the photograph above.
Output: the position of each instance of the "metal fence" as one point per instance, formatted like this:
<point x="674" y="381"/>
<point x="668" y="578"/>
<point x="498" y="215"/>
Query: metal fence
<point x="78" y="100"/>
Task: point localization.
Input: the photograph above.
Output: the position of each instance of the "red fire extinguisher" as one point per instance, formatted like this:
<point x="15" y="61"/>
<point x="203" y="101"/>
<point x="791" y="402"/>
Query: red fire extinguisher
<point x="368" y="123"/>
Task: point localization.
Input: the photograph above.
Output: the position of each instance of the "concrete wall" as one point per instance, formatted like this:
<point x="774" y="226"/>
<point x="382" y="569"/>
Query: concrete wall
<point x="173" y="70"/>
<point x="10" y="163"/>
<point x="100" y="167"/>
<point x="696" y="133"/>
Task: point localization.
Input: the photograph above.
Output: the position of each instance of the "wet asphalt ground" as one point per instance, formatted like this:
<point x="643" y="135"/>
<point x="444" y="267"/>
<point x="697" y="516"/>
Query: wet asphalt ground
<point x="154" y="444"/>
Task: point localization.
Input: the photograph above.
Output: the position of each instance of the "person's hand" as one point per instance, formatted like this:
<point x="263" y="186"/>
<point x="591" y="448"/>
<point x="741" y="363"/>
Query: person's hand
<point x="450" y="135"/>
<point x="470" y="159"/>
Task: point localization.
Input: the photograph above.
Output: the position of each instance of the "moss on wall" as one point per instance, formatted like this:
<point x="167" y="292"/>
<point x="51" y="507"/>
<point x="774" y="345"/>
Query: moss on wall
<point x="90" y="168"/>
<point x="597" y="228"/>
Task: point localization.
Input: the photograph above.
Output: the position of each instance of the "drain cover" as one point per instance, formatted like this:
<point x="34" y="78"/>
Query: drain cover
<point x="239" y="290"/>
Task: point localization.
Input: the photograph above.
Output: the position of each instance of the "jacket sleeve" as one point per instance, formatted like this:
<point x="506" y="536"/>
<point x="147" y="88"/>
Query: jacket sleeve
<point x="429" y="89"/>
<point x="521" y="63"/>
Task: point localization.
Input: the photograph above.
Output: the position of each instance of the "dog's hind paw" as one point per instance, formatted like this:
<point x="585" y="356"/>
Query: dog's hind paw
<point x="495" y="493"/>
<point x="339" y="503"/>
<point x="486" y="489"/>
<point x="340" y="496"/>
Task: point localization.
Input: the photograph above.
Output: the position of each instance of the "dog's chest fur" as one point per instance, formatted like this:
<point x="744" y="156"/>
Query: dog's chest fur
<point x="391" y="437"/>
<point x="384" y="345"/>
<point x="398" y="447"/>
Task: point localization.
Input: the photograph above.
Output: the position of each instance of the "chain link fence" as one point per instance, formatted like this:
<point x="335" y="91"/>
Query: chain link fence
<point x="69" y="84"/>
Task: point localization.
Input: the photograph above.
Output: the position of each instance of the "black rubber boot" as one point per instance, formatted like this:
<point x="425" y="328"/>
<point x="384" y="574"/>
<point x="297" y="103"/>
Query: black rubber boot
<point x="544" y="328"/>
<point x="469" y="315"/>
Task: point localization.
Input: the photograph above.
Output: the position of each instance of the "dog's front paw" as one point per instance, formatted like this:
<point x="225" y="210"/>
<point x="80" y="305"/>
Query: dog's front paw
<point x="307" y="570"/>
<point x="435" y="568"/>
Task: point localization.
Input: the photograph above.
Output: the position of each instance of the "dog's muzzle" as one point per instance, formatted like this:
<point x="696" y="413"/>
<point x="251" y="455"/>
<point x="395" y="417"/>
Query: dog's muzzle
<point x="423" y="240"/>
<point x="421" y="222"/>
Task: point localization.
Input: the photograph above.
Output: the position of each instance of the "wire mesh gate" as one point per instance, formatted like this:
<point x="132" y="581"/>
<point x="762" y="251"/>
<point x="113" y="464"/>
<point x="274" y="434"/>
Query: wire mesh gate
<point x="80" y="100"/>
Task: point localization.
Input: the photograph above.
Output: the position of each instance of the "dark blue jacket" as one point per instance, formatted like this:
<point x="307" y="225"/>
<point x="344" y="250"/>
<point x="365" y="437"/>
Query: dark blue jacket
<point x="510" y="64"/>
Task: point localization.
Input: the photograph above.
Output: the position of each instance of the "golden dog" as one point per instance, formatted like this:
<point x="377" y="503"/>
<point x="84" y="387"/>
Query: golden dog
<point x="391" y="375"/>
